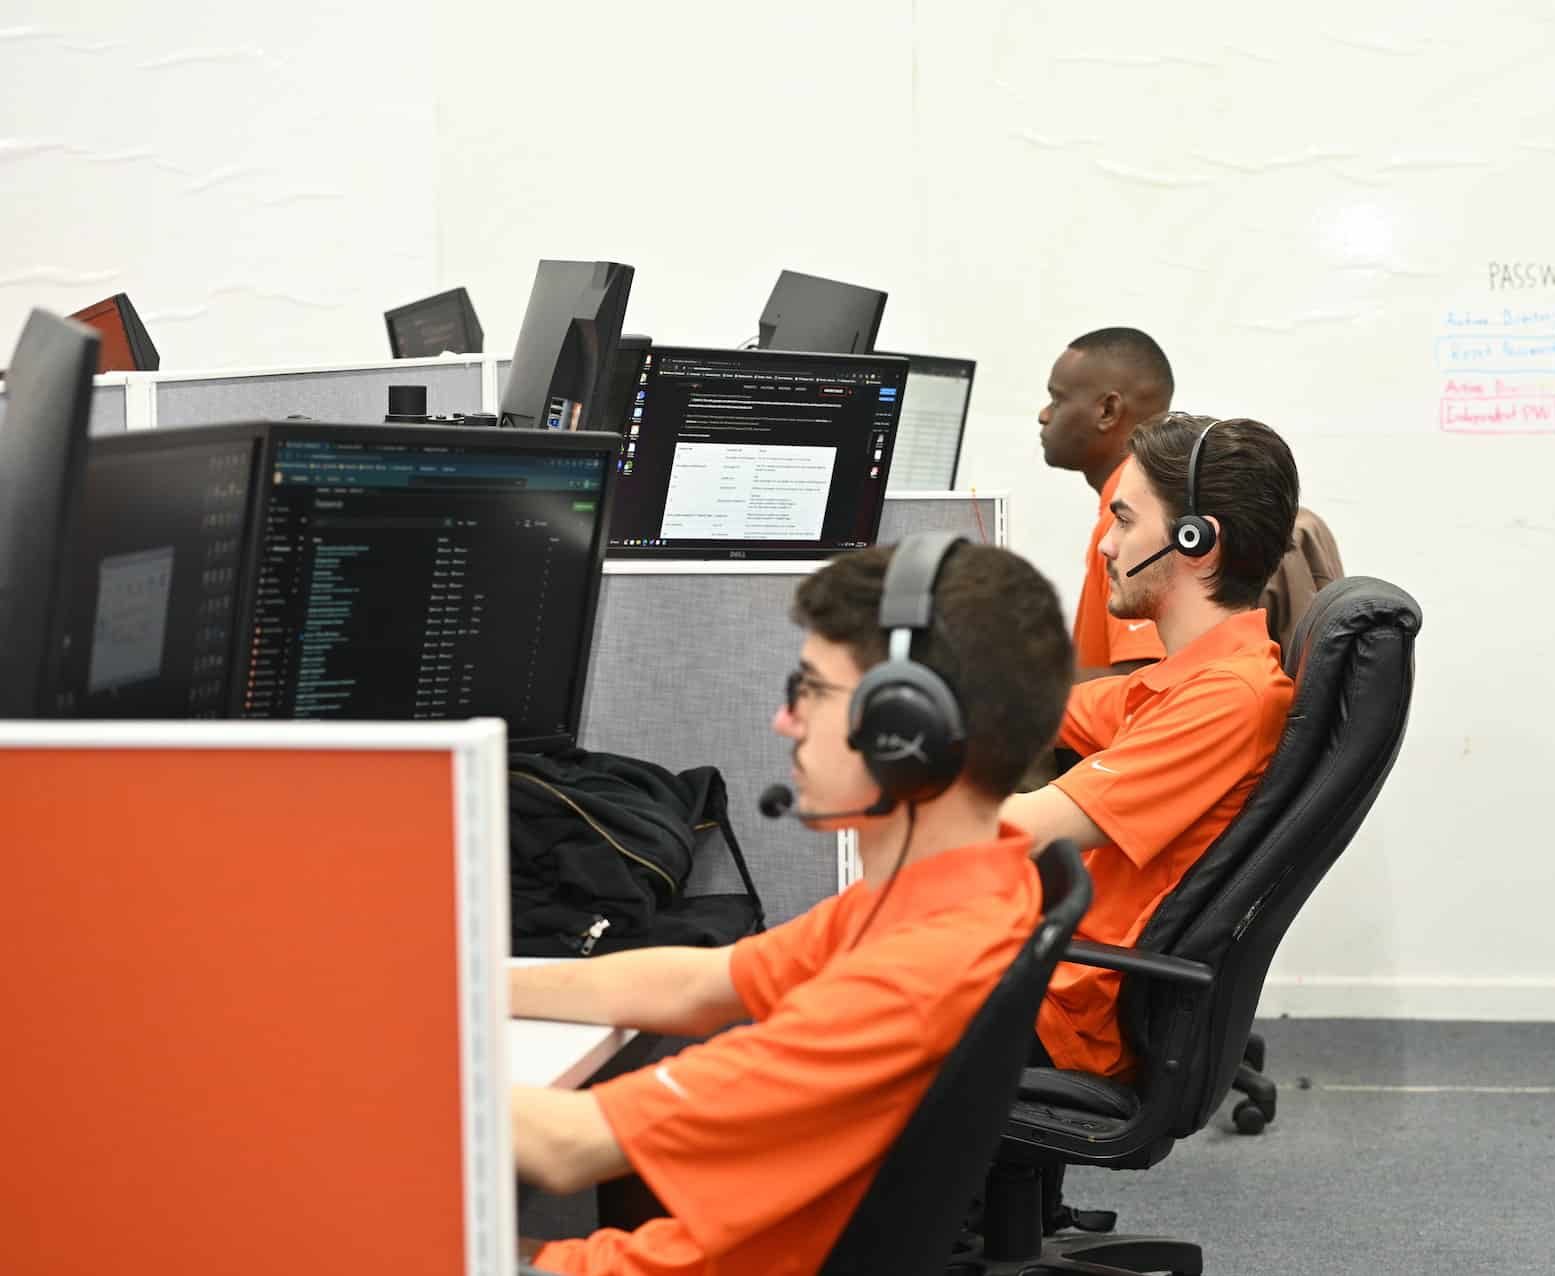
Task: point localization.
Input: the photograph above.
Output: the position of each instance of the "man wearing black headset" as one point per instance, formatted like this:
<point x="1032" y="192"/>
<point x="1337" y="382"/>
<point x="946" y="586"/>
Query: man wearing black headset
<point x="929" y="677"/>
<point x="1170" y="752"/>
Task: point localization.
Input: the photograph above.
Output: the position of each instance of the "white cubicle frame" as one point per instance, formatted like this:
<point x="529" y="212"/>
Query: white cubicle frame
<point x="141" y="387"/>
<point x="478" y="750"/>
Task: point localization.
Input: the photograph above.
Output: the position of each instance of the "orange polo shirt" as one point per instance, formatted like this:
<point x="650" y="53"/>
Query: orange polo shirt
<point x="1169" y="755"/>
<point x="1100" y="638"/>
<point x="761" y="1141"/>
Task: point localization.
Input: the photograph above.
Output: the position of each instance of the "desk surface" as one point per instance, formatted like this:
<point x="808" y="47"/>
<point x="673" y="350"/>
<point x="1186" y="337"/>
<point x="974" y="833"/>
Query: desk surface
<point x="564" y="1055"/>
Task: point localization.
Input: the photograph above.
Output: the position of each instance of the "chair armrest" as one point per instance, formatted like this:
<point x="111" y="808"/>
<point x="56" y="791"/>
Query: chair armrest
<point x="1134" y="962"/>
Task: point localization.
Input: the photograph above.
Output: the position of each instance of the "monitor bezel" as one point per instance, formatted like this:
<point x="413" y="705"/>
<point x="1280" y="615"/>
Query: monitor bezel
<point x="750" y="551"/>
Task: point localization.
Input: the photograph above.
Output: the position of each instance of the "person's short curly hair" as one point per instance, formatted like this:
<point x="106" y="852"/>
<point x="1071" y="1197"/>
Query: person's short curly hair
<point x="998" y="639"/>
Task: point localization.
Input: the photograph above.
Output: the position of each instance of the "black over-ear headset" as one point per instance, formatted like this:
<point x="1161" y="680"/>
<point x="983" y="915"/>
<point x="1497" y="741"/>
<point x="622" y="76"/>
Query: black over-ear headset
<point x="904" y="718"/>
<point x="1191" y="535"/>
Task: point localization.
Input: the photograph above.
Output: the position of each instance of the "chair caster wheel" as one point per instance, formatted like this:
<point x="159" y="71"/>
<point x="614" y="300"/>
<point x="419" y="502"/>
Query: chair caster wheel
<point x="1249" y="1117"/>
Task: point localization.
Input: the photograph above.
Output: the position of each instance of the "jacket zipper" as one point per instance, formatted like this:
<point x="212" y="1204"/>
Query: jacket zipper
<point x="593" y="935"/>
<point x="588" y="819"/>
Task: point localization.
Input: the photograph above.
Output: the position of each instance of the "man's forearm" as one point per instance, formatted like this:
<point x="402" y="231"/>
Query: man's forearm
<point x="561" y="1140"/>
<point x="673" y="991"/>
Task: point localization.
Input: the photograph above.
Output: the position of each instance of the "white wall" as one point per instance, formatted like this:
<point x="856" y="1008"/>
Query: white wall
<point x="261" y="181"/>
<point x="1294" y="203"/>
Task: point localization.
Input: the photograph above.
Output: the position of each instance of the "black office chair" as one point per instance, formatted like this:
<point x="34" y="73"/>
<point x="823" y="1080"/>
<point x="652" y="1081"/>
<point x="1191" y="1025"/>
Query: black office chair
<point x="906" y="1223"/>
<point x="1193" y="981"/>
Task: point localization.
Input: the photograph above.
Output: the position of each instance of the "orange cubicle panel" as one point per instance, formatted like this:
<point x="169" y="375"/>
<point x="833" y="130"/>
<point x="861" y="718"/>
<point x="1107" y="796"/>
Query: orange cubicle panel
<point x="229" y="991"/>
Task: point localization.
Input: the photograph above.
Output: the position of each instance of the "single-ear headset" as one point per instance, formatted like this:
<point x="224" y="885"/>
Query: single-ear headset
<point x="903" y="717"/>
<point x="1191" y="535"/>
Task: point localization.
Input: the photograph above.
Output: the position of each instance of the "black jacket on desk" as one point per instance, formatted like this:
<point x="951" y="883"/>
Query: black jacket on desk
<point x="601" y="848"/>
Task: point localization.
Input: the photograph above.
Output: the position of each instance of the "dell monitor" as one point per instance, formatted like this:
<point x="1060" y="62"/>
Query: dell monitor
<point x="425" y="329"/>
<point x="301" y="570"/>
<point x="126" y="346"/>
<point x="934" y="409"/>
<point x="806" y="312"/>
<point x="755" y="454"/>
<point x="43" y="443"/>
<point x="561" y="365"/>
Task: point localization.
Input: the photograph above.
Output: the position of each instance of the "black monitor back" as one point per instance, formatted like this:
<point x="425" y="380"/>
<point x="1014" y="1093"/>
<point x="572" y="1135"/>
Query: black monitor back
<point x="561" y="364"/>
<point x="624" y="381"/>
<point x="806" y="312"/>
<point x="424" y="329"/>
<point x="43" y="441"/>
<point x="126" y="345"/>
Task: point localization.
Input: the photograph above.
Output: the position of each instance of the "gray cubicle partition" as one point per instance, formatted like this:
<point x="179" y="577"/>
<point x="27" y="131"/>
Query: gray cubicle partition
<point x="687" y="669"/>
<point x="108" y="407"/>
<point x="325" y="394"/>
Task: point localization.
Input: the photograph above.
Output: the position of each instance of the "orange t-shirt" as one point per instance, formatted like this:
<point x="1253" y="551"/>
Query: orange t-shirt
<point x="1100" y="638"/>
<point x="761" y="1141"/>
<point x="1169" y="755"/>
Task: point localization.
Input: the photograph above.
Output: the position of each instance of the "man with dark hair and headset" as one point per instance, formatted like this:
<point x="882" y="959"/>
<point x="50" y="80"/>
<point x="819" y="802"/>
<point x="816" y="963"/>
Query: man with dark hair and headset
<point x="929" y="677"/>
<point x="1169" y="753"/>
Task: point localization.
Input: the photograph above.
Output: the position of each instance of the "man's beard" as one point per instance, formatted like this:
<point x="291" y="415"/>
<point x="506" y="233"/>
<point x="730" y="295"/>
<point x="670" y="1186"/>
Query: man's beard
<point x="1137" y="599"/>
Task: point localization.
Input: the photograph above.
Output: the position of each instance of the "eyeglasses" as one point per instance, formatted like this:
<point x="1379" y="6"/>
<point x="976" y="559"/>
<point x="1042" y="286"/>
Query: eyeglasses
<point x="801" y="682"/>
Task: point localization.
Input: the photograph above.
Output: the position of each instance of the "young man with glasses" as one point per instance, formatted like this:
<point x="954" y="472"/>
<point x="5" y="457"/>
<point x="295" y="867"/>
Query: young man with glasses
<point x="761" y="1141"/>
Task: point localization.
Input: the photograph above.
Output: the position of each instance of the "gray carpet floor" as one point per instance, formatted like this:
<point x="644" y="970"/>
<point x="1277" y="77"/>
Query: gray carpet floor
<point x="1399" y="1147"/>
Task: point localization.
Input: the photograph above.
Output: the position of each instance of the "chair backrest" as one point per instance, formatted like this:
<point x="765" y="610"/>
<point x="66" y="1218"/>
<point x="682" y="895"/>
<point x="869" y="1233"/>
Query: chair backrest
<point x="1352" y="660"/>
<point x="1311" y="563"/>
<point x="907" y="1220"/>
<point x="48" y="389"/>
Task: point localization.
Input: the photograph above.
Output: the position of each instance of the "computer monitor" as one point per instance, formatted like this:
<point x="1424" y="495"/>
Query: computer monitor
<point x="43" y="443"/>
<point x="153" y="574"/>
<point x="756" y="454"/>
<point x="126" y="346"/>
<point x="934" y="408"/>
<point x="806" y="312"/>
<point x="424" y="329"/>
<point x="561" y="364"/>
<point x="310" y="570"/>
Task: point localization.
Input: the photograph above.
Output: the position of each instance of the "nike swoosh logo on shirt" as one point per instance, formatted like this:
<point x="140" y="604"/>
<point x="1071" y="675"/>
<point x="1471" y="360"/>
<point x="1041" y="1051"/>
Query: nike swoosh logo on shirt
<point x="1137" y="625"/>
<point x="661" y="1074"/>
<point x="1107" y="769"/>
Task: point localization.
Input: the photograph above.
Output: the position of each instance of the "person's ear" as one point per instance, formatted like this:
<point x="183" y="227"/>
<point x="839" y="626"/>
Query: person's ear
<point x="1211" y="560"/>
<point x="1109" y="410"/>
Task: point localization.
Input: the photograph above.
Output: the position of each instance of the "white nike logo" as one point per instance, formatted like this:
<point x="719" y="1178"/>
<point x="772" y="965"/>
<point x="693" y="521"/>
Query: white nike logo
<point x="1138" y="624"/>
<point x="661" y="1074"/>
<point x="1107" y="769"/>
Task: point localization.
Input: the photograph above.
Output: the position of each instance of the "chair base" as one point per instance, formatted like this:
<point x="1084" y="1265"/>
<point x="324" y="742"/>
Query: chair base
<point x="1009" y="1239"/>
<point x="1081" y="1255"/>
<point x="1257" y="1109"/>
